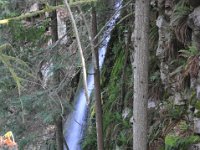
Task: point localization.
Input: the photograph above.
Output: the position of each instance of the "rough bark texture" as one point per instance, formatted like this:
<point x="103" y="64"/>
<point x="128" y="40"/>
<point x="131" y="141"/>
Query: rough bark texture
<point x="140" y="69"/>
<point x="99" y="124"/>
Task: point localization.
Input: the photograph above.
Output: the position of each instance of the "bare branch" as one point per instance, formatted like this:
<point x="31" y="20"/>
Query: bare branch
<point x="90" y="37"/>
<point x="46" y="9"/>
<point x="80" y="50"/>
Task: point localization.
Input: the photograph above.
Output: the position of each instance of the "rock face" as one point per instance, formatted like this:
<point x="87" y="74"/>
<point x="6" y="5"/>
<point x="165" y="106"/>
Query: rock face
<point x="164" y="37"/>
<point x="167" y="30"/>
<point x="197" y="125"/>
<point x="166" y="41"/>
<point x="62" y="28"/>
<point x="194" y="24"/>
<point x="194" y="147"/>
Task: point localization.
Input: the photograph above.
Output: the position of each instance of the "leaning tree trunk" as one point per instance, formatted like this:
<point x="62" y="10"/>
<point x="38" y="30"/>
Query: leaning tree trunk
<point x="58" y="120"/>
<point x="140" y="70"/>
<point x="97" y="90"/>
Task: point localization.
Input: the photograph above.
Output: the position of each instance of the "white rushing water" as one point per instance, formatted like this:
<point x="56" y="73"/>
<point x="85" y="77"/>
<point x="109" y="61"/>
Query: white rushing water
<point x="77" y="120"/>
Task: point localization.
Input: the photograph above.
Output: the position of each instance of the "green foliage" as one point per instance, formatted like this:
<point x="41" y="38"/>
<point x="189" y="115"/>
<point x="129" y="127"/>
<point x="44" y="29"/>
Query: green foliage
<point x="123" y="139"/>
<point x="116" y="129"/>
<point x="190" y="52"/>
<point x="4" y="8"/>
<point x="23" y="33"/>
<point x="179" y="22"/>
<point x="173" y="111"/>
<point x="173" y="142"/>
<point x="184" y="126"/>
<point x="155" y="76"/>
<point x="32" y="139"/>
<point x="181" y="11"/>
<point x="170" y="141"/>
<point x="114" y="86"/>
<point x="15" y="67"/>
<point x="3" y="3"/>
<point x="112" y="116"/>
<point x="90" y="141"/>
<point x="7" y="61"/>
<point x="153" y="36"/>
<point x="24" y="142"/>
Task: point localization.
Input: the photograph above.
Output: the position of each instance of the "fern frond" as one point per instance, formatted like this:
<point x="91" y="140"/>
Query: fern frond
<point x="17" y="60"/>
<point x="5" y="46"/>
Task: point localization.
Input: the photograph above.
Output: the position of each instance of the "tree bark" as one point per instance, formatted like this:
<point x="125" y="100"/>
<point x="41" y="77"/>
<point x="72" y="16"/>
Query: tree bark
<point x="97" y="89"/>
<point x="140" y="70"/>
<point x="123" y="77"/>
<point x="59" y="133"/>
<point x="58" y="121"/>
<point x="54" y="24"/>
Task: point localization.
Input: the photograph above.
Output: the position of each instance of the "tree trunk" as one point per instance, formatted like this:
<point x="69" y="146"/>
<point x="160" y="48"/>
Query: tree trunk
<point x="58" y="121"/>
<point x="54" y="23"/>
<point x="123" y="77"/>
<point x="99" y="122"/>
<point x="140" y="70"/>
<point x="59" y="133"/>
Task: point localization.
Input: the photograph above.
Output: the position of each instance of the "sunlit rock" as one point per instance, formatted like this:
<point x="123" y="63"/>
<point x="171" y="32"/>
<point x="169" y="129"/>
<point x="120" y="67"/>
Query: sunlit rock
<point x="131" y="120"/>
<point x="34" y="7"/>
<point x="197" y="125"/>
<point x="164" y="70"/>
<point x="164" y="36"/>
<point x="151" y="104"/>
<point x="193" y="82"/>
<point x="178" y="99"/>
<point x="163" y="41"/>
<point x="198" y="91"/>
<point x="194" y="147"/>
<point x="61" y="19"/>
<point x="126" y="112"/>
<point x="118" y="147"/>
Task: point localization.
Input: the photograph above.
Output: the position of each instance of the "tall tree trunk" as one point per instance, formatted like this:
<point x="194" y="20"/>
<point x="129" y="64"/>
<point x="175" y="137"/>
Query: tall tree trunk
<point x="140" y="70"/>
<point x="59" y="133"/>
<point x="99" y="122"/>
<point x="58" y="120"/>
<point x="54" y="23"/>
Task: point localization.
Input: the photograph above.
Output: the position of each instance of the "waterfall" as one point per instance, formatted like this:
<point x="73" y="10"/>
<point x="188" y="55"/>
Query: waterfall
<point x="76" y="121"/>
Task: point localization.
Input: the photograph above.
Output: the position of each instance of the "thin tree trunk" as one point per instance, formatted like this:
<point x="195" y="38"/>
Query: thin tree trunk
<point x="140" y="70"/>
<point x="123" y="77"/>
<point x="54" y="23"/>
<point x="59" y="133"/>
<point x="58" y="121"/>
<point x="99" y="122"/>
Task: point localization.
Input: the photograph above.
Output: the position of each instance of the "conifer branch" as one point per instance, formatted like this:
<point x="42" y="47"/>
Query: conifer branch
<point x="39" y="12"/>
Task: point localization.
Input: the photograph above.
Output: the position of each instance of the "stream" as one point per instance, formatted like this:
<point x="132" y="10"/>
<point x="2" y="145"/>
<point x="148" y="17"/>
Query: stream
<point x="77" y="120"/>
